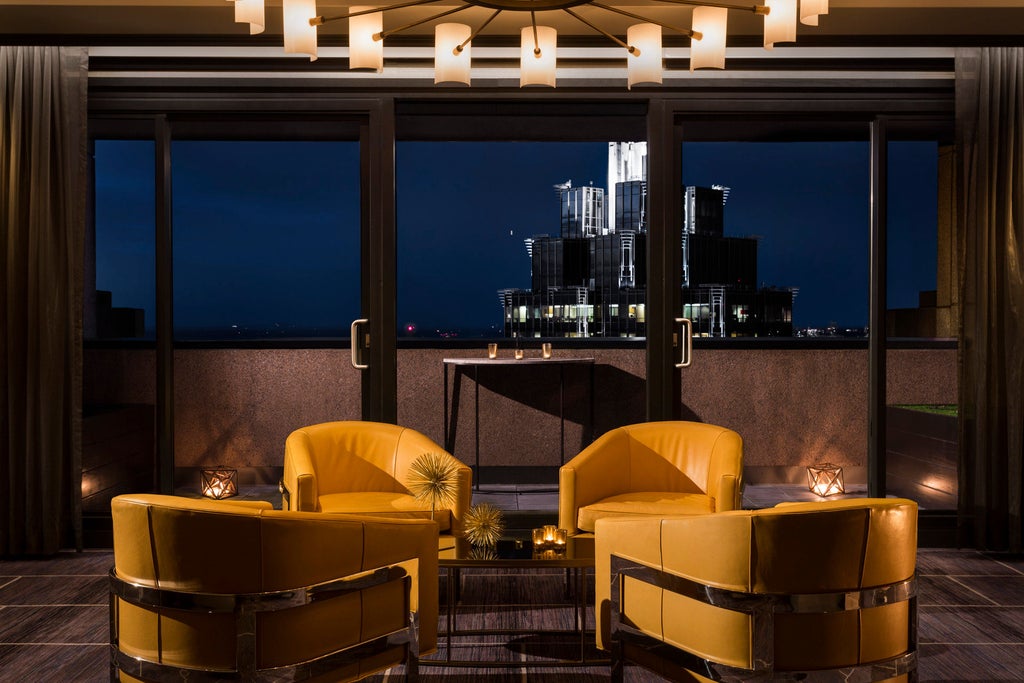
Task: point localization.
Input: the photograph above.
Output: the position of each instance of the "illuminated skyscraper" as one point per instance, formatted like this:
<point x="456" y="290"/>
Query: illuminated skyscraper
<point x="591" y="279"/>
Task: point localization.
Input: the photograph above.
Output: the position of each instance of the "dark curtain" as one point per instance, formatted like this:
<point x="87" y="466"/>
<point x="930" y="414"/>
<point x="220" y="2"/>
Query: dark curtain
<point x="42" y="213"/>
<point x="990" y="131"/>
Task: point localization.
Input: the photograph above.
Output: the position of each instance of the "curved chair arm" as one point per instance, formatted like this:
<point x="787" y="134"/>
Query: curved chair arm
<point x="727" y="495"/>
<point x="299" y="480"/>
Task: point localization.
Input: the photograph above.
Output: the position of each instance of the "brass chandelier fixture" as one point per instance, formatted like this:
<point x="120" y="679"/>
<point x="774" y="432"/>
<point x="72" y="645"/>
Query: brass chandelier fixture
<point x="453" y="41"/>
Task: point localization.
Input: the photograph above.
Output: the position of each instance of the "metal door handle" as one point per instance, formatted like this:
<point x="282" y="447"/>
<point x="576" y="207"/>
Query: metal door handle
<point x="355" y="343"/>
<point x="686" y="345"/>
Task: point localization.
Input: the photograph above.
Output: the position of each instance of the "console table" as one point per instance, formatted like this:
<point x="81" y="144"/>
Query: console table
<point x="475" y="364"/>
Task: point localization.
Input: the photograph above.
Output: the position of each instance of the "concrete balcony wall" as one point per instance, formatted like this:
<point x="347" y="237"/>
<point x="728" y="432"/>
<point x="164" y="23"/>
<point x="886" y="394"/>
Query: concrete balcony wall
<point x="793" y="407"/>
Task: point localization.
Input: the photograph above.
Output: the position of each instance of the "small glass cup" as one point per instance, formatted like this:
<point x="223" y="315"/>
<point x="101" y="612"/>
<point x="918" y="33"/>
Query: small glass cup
<point x="538" y="538"/>
<point x="518" y="353"/>
<point x="492" y="351"/>
<point x="545" y="350"/>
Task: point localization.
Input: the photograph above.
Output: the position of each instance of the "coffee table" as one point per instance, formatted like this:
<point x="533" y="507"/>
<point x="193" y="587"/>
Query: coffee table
<point x="517" y="553"/>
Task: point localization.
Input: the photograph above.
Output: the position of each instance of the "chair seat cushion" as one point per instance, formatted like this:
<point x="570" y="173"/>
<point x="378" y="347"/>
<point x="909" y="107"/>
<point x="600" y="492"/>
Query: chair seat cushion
<point x="384" y="504"/>
<point x="659" y="503"/>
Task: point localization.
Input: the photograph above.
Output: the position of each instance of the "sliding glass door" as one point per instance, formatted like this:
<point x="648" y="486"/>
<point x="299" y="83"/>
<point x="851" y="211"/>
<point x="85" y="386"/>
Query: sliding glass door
<point x="528" y="232"/>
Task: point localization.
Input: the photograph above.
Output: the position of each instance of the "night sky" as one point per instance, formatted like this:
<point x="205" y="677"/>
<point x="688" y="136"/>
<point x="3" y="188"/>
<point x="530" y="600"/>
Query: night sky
<point x="267" y="234"/>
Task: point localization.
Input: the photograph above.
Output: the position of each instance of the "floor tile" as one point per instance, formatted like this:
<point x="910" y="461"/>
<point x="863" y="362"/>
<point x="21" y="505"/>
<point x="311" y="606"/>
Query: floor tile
<point x="950" y="590"/>
<point x="65" y="563"/>
<point x="960" y="562"/>
<point x="971" y="625"/>
<point x="1014" y="562"/>
<point x="64" y="663"/>
<point x="971" y="663"/>
<point x="1003" y="590"/>
<point x="56" y="590"/>
<point x="55" y="625"/>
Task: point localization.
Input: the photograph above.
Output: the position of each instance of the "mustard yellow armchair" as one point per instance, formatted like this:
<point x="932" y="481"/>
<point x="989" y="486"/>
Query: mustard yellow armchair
<point x="827" y="588"/>
<point x="654" y="468"/>
<point x="214" y="590"/>
<point x="363" y="468"/>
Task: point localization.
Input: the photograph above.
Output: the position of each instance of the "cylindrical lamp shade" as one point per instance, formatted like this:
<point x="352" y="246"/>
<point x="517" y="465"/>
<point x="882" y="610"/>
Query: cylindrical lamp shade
<point x="534" y="68"/>
<point x="299" y="36"/>
<point x="645" y="65"/>
<point x="363" y="51"/>
<point x="810" y="9"/>
<point x="451" y="65"/>
<point x="251" y="12"/>
<point x="709" y="51"/>
<point x="780" y="22"/>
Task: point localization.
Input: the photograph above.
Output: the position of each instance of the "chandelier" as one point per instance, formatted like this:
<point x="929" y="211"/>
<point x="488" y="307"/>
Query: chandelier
<point x="453" y="41"/>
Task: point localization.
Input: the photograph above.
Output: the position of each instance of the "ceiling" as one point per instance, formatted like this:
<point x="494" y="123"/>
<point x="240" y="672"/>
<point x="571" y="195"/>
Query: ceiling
<point x="849" y="21"/>
<point x="179" y="40"/>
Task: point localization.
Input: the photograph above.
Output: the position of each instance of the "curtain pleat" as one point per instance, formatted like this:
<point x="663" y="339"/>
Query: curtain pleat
<point x="43" y="166"/>
<point x="990" y="130"/>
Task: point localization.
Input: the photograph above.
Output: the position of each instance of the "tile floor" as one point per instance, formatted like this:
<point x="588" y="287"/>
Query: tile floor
<point x="53" y="621"/>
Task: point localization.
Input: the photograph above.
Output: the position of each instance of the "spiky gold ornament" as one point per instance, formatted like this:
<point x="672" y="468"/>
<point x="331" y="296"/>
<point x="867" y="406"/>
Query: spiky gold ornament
<point x="483" y="524"/>
<point x="433" y="477"/>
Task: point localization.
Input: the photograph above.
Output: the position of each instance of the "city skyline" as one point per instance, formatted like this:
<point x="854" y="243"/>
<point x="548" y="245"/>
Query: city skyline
<point x="460" y="234"/>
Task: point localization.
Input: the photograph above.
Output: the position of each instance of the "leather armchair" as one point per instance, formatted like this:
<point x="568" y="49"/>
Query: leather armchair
<point x="362" y="468"/>
<point x="826" y="587"/>
<point x="216" y="589"/>
<point x="653" y="468"/>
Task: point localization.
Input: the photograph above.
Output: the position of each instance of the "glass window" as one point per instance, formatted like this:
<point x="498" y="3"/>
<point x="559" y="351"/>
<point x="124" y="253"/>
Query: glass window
<point x="266" y="239"/>
<point x="123" y="302"/>
<point x="460" y="239"/>
<point x="779" y="225"/>
<point x="915" y="306"/>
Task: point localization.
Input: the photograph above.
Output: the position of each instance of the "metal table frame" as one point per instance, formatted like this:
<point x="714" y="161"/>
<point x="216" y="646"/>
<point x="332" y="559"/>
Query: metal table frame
<point x="576" y="577"/>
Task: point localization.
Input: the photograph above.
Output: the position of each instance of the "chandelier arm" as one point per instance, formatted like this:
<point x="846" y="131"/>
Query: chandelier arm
<point x="629" y="48"/>
<point x="756" y="9"/>
<point x="384" y="34"/>
<point x="536" y="39"/>
<point x="696" y="35"/>
<point x="321" y="20"/>
<point x="461" y="46"/>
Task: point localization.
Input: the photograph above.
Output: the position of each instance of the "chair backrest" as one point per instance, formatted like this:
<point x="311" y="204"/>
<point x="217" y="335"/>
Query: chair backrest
<point x="360" y="455"/>
<point x="798" y="587"/>
<point x="201" y="548"/>
<point x="699" y="454"/>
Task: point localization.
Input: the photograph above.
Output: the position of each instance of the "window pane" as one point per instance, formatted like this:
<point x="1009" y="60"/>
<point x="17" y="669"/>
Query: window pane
<point x="124" y="302"/>
<point x="497" y="238"/>
<point x="266" y="239"/>
<point x="912" y="240"/>
<point x="779" y="230"/>
<point x="921" y="416"/>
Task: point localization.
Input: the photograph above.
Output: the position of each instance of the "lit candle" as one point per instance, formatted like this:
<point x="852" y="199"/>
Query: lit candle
<point x="560" y="537"/>
<point x="492" y="351"/>
<point x="549" y="533"/>
<point x="518" y="353"/>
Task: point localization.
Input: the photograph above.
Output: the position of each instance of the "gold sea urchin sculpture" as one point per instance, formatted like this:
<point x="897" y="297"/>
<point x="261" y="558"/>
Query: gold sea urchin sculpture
<point x="483" y="524"/>
<point x="433" y="477"/>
